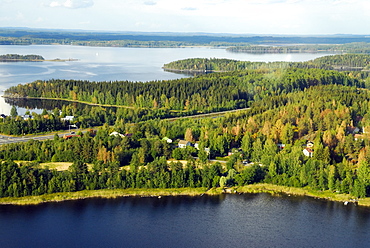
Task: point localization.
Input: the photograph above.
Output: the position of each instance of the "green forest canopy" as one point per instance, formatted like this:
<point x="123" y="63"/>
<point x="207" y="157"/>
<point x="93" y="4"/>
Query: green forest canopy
<point x="289" y="106"/>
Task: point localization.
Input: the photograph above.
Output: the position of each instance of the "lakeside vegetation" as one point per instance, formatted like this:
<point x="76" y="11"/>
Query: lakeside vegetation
<point x="107" y="193"/>
<point x="249" y="189"/>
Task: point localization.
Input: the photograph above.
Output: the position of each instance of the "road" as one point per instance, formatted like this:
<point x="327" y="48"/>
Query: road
<point x="5" y="139"/>
<point x="215" y="114"/>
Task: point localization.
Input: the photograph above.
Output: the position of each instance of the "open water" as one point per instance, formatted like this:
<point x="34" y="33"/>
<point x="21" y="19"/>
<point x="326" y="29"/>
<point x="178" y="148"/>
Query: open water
<point x="248" y="220"/>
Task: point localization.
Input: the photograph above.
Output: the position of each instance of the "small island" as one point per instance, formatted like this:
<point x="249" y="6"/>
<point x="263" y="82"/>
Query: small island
<point x="20" y="58"/>
<point x="29" y="58"/>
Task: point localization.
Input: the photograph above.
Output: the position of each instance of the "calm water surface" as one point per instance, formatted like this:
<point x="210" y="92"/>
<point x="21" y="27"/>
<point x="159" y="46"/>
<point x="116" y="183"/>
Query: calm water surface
<point x="111" y="64"/>
<point x="249" y="220"/>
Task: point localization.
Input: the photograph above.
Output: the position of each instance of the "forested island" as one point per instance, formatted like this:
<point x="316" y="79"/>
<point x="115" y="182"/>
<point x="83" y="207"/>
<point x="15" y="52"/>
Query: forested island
<point x="356" y="47"/>
<point x="349" y="62"/>
<point x="307" y="127"/>
<point x="20" y="58"/>
<point x="233" y="42"/>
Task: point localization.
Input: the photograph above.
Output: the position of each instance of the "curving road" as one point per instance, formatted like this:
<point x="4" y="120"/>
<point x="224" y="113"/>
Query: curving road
<point x="5" y="139"/>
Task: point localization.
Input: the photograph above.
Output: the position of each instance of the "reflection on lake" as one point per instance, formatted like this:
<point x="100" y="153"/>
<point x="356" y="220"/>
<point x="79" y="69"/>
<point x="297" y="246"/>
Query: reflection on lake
<point x="40" y="104"/>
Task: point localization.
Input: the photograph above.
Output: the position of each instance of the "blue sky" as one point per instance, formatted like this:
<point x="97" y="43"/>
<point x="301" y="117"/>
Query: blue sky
<point x="295" y="17"/>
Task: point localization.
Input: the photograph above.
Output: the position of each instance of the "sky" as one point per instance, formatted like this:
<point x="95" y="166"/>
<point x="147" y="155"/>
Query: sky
<point x="290" y="17"/>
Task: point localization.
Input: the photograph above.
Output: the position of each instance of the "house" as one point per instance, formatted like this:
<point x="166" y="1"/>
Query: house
<point x="281" y="146"/>
<point x="68" y="118"/>
<point x="353" y="130"/>
<point x="184" y="144"/>
<point x="308" y="152"/>
<point x="27" y="117"/>
<point x="234" y="151"/>
<point x="168" y="140"/>
<point x="309" y="144"/>
<point x="207" y="150"/>
<point x="116" y="134"/>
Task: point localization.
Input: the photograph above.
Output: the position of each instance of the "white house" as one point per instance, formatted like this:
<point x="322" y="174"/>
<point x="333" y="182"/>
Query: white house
<point x="168" y="140"/>
<point x="308" y="152"/>
<point x="116" y="134"/>
<point x="68" y="118"/>
<point x="184" y="144"/>
<point x="27" y="117"/>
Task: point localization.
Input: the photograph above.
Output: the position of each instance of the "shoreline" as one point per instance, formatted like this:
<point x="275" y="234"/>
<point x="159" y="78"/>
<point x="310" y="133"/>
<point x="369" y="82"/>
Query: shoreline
<point x="248" y="189"/>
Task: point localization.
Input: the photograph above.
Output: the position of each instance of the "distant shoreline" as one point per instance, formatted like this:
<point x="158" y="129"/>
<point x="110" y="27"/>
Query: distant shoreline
<point x="36" y="60"/>
<point x="252" y="189"/>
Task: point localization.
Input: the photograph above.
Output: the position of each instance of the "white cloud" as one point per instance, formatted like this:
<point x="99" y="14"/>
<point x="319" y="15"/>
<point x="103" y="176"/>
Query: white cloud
<point x="72" y="4"/>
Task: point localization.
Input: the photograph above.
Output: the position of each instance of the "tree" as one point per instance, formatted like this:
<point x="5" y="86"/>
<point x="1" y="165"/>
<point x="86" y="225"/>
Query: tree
<point x="13" y="112"/>
<point x="223" y="181"/>
<point x="177" y="154"/>
<point x="362" y="183"/>
<point x="189" y="135"/>
<point x="247" y="145"/>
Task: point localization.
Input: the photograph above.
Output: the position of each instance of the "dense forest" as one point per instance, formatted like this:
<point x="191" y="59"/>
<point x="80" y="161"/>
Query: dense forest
<point x="359" y="47"/>
<point x="137" y="101"/>
<point x="305" y="127"/>
<point x="211" y="92"/>
<point x="338" y="62"/>
<point x="334" y="117"/>
<point x="9" y="36"/>
<point x="17" y="57"/>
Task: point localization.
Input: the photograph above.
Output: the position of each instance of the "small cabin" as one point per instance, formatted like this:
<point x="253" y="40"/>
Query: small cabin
<point x="116" y="134"/>
<point x="27" y="117"/>
<point x="308" y="152"/>
<point x="68" y="118"/>
<point x="184" y="144"/>
<point x="168" y="140"/>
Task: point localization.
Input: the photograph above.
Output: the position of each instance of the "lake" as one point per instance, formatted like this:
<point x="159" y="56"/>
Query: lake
<point x="111" y="64"/>
<point x="247" y="220"/>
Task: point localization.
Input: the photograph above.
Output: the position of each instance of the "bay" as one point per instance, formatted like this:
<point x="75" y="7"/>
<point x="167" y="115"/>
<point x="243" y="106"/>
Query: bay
<point x="111" y="64"/>
<point x="247" y="220"/>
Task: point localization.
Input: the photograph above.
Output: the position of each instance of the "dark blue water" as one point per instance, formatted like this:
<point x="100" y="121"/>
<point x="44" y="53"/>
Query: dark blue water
<point x="249" y="220"/>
